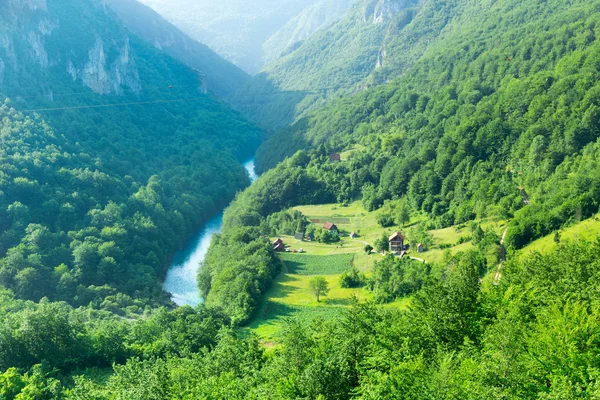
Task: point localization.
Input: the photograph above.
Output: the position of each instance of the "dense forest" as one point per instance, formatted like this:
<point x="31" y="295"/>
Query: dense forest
<point x="104" y="176"/>
<point x="531" y="337"/>
<point x="480" y="127"/>
<point x="493" y="113"/>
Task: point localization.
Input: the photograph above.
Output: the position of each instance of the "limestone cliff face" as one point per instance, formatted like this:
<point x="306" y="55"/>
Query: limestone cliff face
<point x="215" y="74"/>
<point x="106" y="77"/>
<point x="41" y="37"/>
<point x="380" y="11"/>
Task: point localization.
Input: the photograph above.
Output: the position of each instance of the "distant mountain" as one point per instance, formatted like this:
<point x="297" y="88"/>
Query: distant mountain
<point x="315" y="17"/>
<point x="374" y="41"/>
<point x="112" y="153"/>
<point x="221" y="77"/>
<point x="248" y="33"/>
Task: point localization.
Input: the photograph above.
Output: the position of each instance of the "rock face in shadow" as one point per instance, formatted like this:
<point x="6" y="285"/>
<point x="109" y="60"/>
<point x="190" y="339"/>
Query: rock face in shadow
<point x="45" y="38"/>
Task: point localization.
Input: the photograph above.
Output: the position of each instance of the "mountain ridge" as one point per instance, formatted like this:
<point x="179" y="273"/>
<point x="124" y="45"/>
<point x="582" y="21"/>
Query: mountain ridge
<point x="222" y="77"/>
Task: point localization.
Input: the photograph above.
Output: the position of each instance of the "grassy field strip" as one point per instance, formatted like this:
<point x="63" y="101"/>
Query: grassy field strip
<point x="290" y="296"/>
<point x="305" y="264"/>
<point x="584" y="230"/>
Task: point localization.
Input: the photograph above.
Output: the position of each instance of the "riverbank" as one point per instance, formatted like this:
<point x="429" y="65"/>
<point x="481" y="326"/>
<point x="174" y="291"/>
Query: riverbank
<point x="181" y="277"/>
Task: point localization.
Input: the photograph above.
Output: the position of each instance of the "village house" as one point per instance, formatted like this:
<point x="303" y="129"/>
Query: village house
<point x="310" y="237"/>
<point x="420" y="248"/>
<point x="353" y="235"/>
<point x="299" y="236"/>
<point x="396" y="242"/>
<point x="278" y="245"/>
<point x="335" y="158"/>
<point x="331" y="227"/>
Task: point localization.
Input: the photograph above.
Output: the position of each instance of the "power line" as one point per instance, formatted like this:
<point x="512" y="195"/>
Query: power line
<point x="112" y="105"/>
<point x="91" y="92"/>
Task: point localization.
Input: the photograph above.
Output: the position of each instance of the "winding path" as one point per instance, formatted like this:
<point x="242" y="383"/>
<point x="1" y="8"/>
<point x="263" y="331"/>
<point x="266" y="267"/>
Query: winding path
<point x="498" y="274"/>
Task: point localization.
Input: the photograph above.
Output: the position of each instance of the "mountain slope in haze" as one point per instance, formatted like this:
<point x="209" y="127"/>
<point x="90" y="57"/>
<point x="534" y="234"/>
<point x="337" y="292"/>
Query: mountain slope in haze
<point x="112" y="155"/>
<point x="312" y="19"/>
<point x="222" y="77"/>
<point x="245" y="32"/>
<point x="339" y="60"/>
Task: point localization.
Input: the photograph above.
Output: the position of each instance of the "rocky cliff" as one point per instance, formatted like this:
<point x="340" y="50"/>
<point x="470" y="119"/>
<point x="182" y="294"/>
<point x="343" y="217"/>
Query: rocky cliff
<point x="220" y="76"/>
<point x="33" y="41"/>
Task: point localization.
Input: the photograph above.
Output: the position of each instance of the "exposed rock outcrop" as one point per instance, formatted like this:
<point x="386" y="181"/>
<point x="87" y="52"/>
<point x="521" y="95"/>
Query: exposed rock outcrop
<point x="39" y="52"/>
<point x="379" y="11"/>
<point x="122" y="72"/>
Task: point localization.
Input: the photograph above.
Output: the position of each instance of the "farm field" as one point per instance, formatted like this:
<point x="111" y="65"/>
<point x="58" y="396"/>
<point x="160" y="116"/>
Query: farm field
<point x="290" y="295"/>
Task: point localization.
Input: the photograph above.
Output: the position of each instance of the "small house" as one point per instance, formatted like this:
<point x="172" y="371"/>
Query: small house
<point x="420" y="248"/>
<point x="335" y="157"/>
<point x="331" y="227"/>
<point x="279" y="247"/>
<point x="396" y="242"/>
<point x="277" y="242"/>
<point x="310" y="237"/>
<point x="353" y="235"/>
<point x="299" y="236"/>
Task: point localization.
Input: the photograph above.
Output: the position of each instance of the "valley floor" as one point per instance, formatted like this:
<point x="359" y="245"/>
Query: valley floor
<point x="290" y="295"/>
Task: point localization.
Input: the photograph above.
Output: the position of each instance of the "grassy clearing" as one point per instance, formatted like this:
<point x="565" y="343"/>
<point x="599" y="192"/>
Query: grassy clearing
<point x="290" y="297"/>
<point x="354" y="218"/>
<point x="346" y="154"/>
<point x="303" y="264"/>
<point x="584" y="230"/>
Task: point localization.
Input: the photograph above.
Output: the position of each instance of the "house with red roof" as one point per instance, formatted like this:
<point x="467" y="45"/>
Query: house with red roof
<point x="331" y="227"/>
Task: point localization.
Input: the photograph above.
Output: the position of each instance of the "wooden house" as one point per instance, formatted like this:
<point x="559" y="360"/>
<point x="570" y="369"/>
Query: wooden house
<point x="396" y="242"/>
<point x="420" y="248"/>
<point x="331" y="227"/>
<point x="335" y="157"/>
<point x="299" y="236"/>
<point x="278" y="245"/>
<point x="353" y="235"/>
<point x="310" y="237"/>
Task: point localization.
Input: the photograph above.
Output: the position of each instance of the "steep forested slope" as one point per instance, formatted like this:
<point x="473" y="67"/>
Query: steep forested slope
<point x="220" y="76"/>
<point x="502" y="99"/>
<point x="111" y="155"/>
<point x="499" y="108"/>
